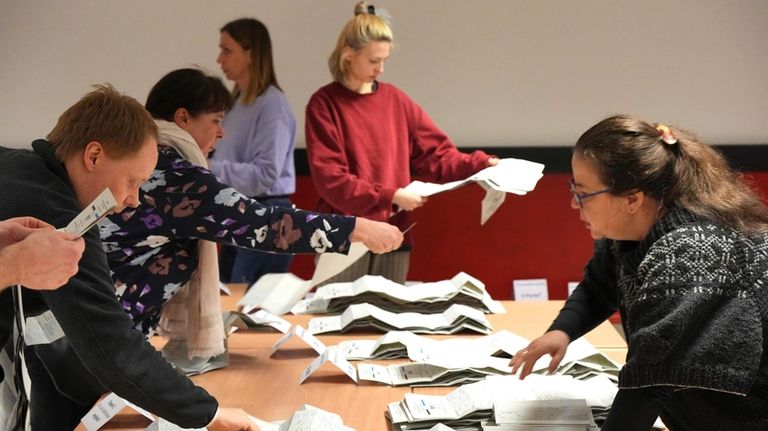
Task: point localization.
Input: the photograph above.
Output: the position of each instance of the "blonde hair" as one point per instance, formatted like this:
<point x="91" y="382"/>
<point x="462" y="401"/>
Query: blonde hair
<point x="367" y="26"/>
<point x="117" y="121"/>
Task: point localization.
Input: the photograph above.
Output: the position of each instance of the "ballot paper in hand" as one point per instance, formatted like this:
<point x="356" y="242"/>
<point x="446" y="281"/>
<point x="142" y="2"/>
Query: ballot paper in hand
<point x="508" y="176"/>
<point x="92" y="214"/>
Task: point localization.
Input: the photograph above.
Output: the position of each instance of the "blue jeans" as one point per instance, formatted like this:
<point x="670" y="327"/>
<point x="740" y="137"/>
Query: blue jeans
<point x="242" y="265"/>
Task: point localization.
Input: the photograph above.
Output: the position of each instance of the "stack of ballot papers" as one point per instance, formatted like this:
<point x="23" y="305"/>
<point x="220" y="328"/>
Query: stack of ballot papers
<point x="460" y="360"/>
<point x="366" y="316"/>
<point x="432" y="297"/>
<point x="496" y="401"/>
<point x="582" y="361"/>
<point x="404" y="344"/>
<point x="420" y="374"/>
<point x="508" y="176"/>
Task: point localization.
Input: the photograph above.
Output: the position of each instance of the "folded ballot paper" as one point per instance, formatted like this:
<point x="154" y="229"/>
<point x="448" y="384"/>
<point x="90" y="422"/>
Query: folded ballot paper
<point x="366" y="316"/>
<point x="455" y="361"/>
<point x="508" y="176"/>
<point x="280" y="293"/>
<point x="508" y="403"/>
<point x="449" y="352"/>
<point x="385" y="294"/>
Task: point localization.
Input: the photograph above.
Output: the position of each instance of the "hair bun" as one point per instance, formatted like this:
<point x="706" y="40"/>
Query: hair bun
<point x="364" y="8"/>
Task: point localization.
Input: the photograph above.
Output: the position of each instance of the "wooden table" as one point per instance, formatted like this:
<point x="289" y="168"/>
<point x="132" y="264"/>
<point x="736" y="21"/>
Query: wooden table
<point x="267" y="387"/>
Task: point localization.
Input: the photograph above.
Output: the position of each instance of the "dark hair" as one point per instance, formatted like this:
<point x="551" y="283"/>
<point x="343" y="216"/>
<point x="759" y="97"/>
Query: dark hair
<point x="190" y="89"/>
<point x="115" y="120"/>
<point x="630" y="155"/>
<point x="252" y="35"/>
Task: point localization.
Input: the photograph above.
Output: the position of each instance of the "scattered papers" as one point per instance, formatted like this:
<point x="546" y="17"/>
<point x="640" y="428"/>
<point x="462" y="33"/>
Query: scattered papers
<point x="305" y="336"/>
<point x="508" y="176"/>
<point x="456" y="318"/>
<point x="387" y="295"/>
<point x="333" y="356"/>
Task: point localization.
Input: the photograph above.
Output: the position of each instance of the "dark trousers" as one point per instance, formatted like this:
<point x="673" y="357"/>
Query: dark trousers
<point x="242" y="265"/>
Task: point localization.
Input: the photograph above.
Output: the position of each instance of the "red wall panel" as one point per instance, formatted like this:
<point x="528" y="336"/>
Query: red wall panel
<point x="533" y="236"/>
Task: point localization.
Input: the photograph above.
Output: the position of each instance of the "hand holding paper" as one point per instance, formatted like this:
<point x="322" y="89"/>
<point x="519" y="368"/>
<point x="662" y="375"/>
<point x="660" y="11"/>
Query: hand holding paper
<point x="379" y="237"/>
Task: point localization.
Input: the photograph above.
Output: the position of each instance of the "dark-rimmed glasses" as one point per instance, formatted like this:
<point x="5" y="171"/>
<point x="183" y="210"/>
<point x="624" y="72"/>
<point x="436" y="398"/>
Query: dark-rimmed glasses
<point x="580" y="198"/>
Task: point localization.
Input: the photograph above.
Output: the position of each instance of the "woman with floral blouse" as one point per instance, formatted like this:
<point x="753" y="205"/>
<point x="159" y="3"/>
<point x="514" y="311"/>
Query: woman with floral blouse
<point x="165" y="244"/>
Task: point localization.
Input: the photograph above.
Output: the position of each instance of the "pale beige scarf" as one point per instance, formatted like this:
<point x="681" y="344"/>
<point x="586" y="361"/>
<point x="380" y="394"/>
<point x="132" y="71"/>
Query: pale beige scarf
<point x="193" y="314"/>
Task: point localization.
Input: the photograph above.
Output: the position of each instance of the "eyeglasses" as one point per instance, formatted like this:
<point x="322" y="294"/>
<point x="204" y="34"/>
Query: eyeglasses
<point x="580" y="198"/>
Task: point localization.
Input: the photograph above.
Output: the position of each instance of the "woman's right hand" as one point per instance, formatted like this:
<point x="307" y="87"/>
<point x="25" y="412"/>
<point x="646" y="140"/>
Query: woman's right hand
<point x="408" y="201"/>
<point x="379" y="237"/>
<point x="553" y="342"/>
<point x="229" y="419"/>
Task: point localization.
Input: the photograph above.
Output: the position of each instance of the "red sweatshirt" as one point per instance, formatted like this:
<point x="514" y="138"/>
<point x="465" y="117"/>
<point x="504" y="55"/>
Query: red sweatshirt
<point x="363" y="147"/>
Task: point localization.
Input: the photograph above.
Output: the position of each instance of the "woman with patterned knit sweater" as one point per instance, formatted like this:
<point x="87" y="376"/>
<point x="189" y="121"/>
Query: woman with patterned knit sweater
<point x="682" y="253"/>
<point x="365" y="138"/>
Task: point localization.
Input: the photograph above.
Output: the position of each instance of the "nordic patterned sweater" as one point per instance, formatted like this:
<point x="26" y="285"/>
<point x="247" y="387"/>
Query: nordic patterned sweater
<point x="693" y="302"/>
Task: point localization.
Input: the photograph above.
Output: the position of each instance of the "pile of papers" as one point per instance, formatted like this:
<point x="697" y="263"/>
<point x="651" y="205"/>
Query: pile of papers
<point x="420" y="374"/>
<point x="404" y="344"/>
<point x="432" y="297"/>
<point x="461" y="360"/>
<point x="366" y="316"/>
<point x="582" y="361"/>
<point x="508" y="403"/>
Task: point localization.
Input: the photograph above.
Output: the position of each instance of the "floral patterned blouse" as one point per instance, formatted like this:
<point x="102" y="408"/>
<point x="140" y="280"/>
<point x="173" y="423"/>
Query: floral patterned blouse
<point x="152" y="249"/>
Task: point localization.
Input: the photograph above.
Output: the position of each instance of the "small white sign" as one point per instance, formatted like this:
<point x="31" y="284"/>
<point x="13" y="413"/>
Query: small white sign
<point x="572" y="286"/>
<point x="530" y="290"/>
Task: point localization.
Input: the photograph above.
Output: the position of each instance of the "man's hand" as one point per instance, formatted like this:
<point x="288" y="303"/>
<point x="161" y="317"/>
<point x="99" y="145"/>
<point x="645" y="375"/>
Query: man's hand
<point x="35" y="255"/>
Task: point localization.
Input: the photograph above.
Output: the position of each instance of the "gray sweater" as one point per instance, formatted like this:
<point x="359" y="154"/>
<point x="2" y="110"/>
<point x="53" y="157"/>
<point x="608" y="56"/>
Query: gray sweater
<point x="694" y="306"/>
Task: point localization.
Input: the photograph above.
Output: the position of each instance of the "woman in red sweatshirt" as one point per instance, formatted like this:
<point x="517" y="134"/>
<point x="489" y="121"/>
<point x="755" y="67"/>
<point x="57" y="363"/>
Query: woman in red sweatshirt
<point x="365" y="138"/>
